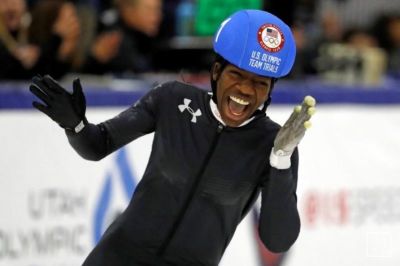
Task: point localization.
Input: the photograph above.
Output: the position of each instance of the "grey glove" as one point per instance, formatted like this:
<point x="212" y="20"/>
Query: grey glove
<point x="292" y="132"/>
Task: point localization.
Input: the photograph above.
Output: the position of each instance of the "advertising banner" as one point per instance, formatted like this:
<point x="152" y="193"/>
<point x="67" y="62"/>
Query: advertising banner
<point x="55" y="205"/>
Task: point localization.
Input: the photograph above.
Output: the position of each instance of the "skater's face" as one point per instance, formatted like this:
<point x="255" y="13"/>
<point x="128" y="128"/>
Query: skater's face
<point x="239" y="93"/>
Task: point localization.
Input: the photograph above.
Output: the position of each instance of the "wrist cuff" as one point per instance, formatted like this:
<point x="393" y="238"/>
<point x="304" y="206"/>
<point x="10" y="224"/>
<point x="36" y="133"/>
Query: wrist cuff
<point x="79" y="127"/>
<point x="279" y="159"/>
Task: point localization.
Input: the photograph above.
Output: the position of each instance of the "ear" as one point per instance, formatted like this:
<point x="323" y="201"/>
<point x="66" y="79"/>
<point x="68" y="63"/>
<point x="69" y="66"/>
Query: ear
<point x="216" y="71"/>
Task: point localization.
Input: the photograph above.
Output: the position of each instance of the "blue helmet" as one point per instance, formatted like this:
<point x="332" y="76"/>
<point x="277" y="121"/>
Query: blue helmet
<point x="258" y="42"/>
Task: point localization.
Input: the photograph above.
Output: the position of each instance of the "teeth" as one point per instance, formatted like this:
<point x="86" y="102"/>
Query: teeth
<point x="238" y="100"/>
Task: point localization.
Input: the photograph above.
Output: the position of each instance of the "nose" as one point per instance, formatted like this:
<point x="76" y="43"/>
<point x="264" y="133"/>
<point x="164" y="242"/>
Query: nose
<point x="246" y="87"/>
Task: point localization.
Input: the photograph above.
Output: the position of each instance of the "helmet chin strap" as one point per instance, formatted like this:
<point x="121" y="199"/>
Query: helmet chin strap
<point x="268" y="101"/>
<point x="223" y="63"/>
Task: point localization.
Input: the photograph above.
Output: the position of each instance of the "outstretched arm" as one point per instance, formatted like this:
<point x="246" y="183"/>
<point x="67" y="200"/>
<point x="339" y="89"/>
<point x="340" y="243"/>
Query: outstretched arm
<point x="279" y="224"/>
<point x="92" y="142"/>
<point x="68" y="111"/>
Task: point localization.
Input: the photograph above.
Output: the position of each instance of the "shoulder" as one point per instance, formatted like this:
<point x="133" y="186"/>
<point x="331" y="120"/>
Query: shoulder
<point x="177" y="89"/>
<point x="262" y="120"/>
<point x="272" y="124"/>
<point x="178" y="86"/>
<point x="267" y="126"/>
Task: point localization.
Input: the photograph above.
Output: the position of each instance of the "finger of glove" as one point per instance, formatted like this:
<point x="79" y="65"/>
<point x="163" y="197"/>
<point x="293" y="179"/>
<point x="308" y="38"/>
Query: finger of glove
<point x="79" y="97"/>
<point x="291" y="132"/>
<point x="310" y="101"/>
<point x="77" y="88"/>
<point x="304" y="115"/>
<point x="298" y="127"/>
<point x="287" y="127"/>
<point x="299" y="123"/>
<point x="39" y="83"/>
<point x="288" y="139"/>
<point x="294" y="128"/>
<point x="42" y="108"/>
<point x="293" y="117"/>
<point x="40" y="94"/>
<point x="54" y="85"/>
<point x="308" y="106"/>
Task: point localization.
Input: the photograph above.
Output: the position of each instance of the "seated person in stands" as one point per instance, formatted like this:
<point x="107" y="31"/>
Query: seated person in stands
<point x="16" y="55"/>
<point x="127" y="38"/>
<point x="44" y="46"/>
<point x="387" y="31"/>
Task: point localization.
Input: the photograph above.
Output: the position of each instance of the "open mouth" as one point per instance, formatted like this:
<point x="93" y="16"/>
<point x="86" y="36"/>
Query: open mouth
<point x="237" y="106"/>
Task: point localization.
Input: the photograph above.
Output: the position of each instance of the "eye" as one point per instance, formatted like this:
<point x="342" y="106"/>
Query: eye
<point x="262" y="84"/>
<point x="235" y="74"/>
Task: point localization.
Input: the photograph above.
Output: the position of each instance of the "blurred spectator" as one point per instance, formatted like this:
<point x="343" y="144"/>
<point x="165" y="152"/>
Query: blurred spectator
<point x="17" y="57"/>
<point x="359" y="38"/>
<point x="372" y="60"/>
<point x="285" y="9"/>
<point x="127" y="40"/>
<point x="358" y="13"/>
<point x="331" y="28"/>
<point x="303" y="42"/>
<point x="98" y="5"/>
<point x="330" y="32"/>
<point x="293" y="12"/>
<point x="46" y="45"/>
<point x="311" y="38"/>
<point x="387" y="31"/>
<point x="56" y="29"/>
<point x="300" y="16"/>
<point x="169" y="21"/>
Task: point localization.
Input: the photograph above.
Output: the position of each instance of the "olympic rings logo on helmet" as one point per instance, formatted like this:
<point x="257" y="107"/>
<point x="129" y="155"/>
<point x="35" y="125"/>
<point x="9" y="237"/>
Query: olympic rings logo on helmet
<point x="258" y="42"/>
<point x="271" y="38"/>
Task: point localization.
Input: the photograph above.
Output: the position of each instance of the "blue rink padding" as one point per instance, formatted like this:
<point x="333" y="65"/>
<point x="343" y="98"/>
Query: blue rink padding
<point x="17" y="95"/>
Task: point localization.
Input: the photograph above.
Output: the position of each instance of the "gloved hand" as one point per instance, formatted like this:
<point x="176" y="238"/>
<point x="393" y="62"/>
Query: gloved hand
<point x="67" y="109"/>
<point x="290" y="135"/>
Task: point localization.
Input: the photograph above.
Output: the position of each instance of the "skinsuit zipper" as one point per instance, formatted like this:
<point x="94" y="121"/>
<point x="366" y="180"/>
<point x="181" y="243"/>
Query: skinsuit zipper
<point x="191" y="193"/>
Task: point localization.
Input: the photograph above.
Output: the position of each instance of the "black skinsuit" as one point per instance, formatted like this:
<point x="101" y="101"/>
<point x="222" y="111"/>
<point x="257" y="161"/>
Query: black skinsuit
<point x="201" y="180"/>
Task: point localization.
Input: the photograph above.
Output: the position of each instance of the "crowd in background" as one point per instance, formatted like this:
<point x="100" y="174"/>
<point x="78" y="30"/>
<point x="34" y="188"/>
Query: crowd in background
<point x="58" y="36"/>
<point x="360" y="37"/>
<point x="347" y="39"/>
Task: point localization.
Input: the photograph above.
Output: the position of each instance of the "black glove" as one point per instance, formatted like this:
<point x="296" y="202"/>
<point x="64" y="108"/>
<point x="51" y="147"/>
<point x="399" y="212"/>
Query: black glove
<point x="67" y="109"/>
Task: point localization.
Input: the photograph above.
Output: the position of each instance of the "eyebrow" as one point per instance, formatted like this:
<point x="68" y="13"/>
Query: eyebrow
<point x="257" y="78"/>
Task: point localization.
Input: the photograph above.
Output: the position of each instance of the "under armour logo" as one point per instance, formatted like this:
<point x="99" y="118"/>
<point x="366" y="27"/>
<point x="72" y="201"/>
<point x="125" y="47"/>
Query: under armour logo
<point x="185" y="106"/>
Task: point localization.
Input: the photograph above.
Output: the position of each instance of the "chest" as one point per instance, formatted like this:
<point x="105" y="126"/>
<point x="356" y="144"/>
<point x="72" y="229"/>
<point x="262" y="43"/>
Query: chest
<point x="227" y="164"/>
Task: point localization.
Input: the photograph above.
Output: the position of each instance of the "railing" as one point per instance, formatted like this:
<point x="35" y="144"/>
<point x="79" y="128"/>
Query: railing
<point x="114" y="92"/>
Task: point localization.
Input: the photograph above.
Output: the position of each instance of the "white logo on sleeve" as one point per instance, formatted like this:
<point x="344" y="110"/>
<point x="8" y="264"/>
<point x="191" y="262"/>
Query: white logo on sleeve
<point x="185" y="106"/>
